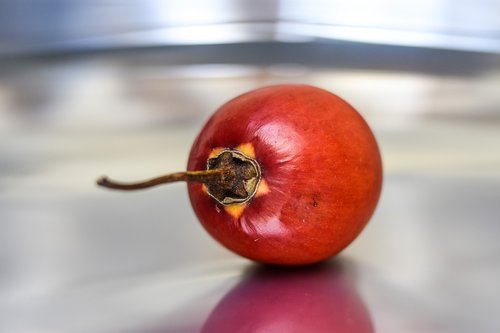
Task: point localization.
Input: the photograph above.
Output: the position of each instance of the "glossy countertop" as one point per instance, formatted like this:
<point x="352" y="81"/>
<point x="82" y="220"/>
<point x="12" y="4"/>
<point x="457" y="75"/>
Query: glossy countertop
<point x="76" y="258"/>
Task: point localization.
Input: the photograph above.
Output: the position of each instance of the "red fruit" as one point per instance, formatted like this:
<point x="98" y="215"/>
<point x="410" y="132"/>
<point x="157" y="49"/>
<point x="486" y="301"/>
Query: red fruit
<point x="321" y="174"/>
<point x="288" y="174"/>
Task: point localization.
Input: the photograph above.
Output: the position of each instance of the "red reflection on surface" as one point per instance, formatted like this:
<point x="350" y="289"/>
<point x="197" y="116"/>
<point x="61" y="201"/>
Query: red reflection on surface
<point x="316" y="299"/>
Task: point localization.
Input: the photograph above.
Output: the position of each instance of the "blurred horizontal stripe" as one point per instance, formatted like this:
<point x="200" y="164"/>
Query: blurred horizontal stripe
<point x="52" y="25"/>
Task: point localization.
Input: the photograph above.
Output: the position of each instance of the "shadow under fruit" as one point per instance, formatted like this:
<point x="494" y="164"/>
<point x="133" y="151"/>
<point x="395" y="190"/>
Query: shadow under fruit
<point x="320" y="298"/>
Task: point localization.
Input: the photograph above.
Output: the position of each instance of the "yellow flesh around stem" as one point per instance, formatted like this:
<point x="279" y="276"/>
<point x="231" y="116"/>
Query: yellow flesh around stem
<point x="236" y="209"/>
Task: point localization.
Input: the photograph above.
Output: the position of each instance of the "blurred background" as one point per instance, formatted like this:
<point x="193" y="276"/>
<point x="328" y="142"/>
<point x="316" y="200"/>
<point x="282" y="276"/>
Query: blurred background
<point x="122" y="88"/>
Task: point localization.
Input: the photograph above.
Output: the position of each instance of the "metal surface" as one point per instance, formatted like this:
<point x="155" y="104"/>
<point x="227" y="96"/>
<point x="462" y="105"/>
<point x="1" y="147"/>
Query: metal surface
<point x="28" y="26"/>
<point x="75" y="258"/>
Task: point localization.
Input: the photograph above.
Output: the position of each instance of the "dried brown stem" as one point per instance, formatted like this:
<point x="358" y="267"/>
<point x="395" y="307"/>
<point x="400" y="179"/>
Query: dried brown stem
<point x="188" y="176"/>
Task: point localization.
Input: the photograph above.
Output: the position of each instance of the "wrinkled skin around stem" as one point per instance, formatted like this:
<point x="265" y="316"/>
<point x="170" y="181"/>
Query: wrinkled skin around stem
<point x="321" y="165"/>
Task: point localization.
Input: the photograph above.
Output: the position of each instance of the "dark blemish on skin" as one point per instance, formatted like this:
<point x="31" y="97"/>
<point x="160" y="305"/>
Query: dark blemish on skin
<point x="315" y="200"/>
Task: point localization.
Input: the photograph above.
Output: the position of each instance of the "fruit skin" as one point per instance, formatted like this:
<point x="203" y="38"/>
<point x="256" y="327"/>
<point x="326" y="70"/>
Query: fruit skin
<point x="320" y="161"/>
<point x="318" y="298"/>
